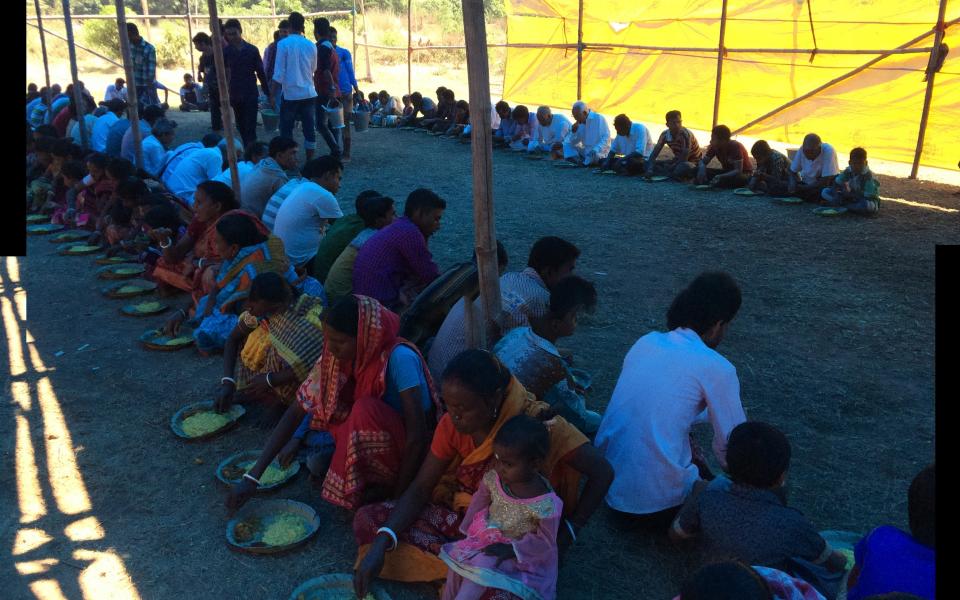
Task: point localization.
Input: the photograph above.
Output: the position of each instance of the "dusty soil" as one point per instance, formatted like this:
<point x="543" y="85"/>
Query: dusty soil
<point x="834" y="344"/>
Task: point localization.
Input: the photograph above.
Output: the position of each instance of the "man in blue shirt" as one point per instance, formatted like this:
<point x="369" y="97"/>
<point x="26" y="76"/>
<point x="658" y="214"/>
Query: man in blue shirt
<point x="347" y="80"/>
<point x="244" y="66"/>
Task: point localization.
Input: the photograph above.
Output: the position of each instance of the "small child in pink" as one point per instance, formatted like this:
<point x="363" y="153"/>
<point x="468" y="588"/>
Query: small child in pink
<point x="511" y="524"/>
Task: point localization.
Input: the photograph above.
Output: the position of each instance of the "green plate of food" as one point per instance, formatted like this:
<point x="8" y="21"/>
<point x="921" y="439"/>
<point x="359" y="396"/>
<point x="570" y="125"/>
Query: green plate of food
<point x="271" y="526"/>
<point x="37" y="218"/>
<point x="658" y="178"/>
<point x="789" y="200"/>
<point x="129" y="288"/>
<point x="829" y="211"/>
<point x="407" y="128"/>
<point x="745" y="192"/>
<point x="74" y="249"/>
<point x="155" y="339"/>
<point x="43" y="229"/>
<point x="335" y="586"/>
<point x="565" y="164"/>
<point x="75" y="235"/>
<point x="231" y="470"/>
<point x="144" y="309"/>
<point x="703" y="187"/>
<point x="120" y="271"/>
<point x="199" y="420"/>
<point x="103" y="259"/>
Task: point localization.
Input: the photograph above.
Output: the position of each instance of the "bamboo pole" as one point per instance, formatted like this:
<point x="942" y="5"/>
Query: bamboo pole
<point x="410" y="47"/>
<point x="580" y="51"/>
<point x="46" y="66"/>
<point x="928" y="95"/>
<point x="485" y="237"/>
<point x="224" y="96"/>
<point x="353" y="30"/>
<point x="133" y="112"/>
<point x="720" y="51"/>
<point x="273" y="11"/>
<point x="193" y="65"/>
<point x="366" y="49"/>
<point x="78" y="99"/>
<point x="830" y="83"/>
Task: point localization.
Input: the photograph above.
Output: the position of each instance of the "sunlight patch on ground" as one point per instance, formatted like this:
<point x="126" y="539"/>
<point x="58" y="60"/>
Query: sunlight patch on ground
<point x="32" y="506"/>
<point x="29" y="539"/>
<point x="47" y="589"/>
<point x="919" y="204"/>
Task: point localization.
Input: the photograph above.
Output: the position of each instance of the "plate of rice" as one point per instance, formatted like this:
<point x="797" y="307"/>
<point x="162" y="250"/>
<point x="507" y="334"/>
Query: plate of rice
<point x="74" y="235"/>
<point x="335" y="586"/>
<point x="103" y="259"/>
<point x="43" y="229"/>
<point x="75" y="249"/>
<point x="120" y="271"/>
<point x="271" y="526"/>
<point x="829" y="211"/>
<point x="129" y="288"/>
<point x="231" y="470"/>
<point x="199" y="420"/>
<point x="144" y="309"/>
<point x="155" y="339"/>
<point x="37" y="218"/>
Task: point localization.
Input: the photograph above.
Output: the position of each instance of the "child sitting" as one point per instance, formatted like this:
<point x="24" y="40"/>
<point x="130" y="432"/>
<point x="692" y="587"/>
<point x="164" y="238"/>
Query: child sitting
<point x="511" y="524"/>
<point x="890" y="560"/>
<point x="524" y="124"/>
<point x="748" y="519"/>
<point x="407" y="106"/>
<point x="72" y="175"/>
<point x="461" y="120"/>
<point x="856" y="189"/>
<point x="772" y="175"/>
<point x="504" y="133"/>
<point x="734" y="580"/>
<point x="98" y="188"/>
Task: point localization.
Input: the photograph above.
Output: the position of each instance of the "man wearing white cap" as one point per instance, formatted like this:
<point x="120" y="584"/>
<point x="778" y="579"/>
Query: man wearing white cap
<point x="589" y="137"/>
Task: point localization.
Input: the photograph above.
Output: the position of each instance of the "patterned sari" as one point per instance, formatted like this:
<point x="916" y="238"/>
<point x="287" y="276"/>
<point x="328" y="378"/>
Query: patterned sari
<point x="345" y="399"/>
<point x="416" y="557"/>
<point x="184" y="275"/>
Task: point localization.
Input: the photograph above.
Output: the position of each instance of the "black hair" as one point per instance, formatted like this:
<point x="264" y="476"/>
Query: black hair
<point x="480" y="371"/>
<point x="318" y="167"/>
<point x="163" y="215"/>
<point x="155" y="199"/>
<point x="333" y="30"/>
<point x="858" y="153"/>
<point x="233" y="24"/>
<point x="760" y="146"/>
<point x="673" y="114"/>
<point x="448" y="94"/>
<point x="551" y="252"/>
<point x="570" y="294"/>
<point x="46" y="130"/>
<point x="270" y="287"/>
<point x="728" y="580"/>
<point x="416" y="97"/>
<point x="76" y="152"/>
<point x="284" y="24"/>
<point x="120" y="214"/>
<point x="758" y="454"/>
<point x="712" y="297"/>
<point x="210" y="140"/>
<point x="296" y="22"/>
<point x="921" y="506"/>
<point x="501" y="105"/>
<point x="62" y="148"/>
<point x="132" y="29"/>
<point x="253" y="149"/>
<point x="374" y="209"/>
<point x="521" y="113"/>
<point x="362" y="197"/>
<point x="721" y="132"/>
<point x="525" y="434"/>
<point x="502" y="258"/>
<point x="97" y="159"/>
<point x="203" y="38"/>
<point x="72" y="169"/>
<point x="321" y="26"/>
<point x="31" y="87"/>
<point x="45" y="144"/>
<point x="120" y="169"/>
<point x="463" y="105"/>
<point x="422" y="199"/>
<point x="621" y="119"/>
<point x="220" y="193"/>
<point x="240" y="230"/>
<point x="132" y="188"/>
<point x="280" y="144"/>
<point x="344" y="315"/>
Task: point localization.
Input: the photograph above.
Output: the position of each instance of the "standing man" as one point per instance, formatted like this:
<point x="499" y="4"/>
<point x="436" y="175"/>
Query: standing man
<point x="244" y="67"/>
<point x="144" y="57"/>
<point x="325" y="80"/>
<point x="293" y="73"/>
<point x="207" y="75"/>
<point x="347" y="80"/>
<point x="270" y="53"/>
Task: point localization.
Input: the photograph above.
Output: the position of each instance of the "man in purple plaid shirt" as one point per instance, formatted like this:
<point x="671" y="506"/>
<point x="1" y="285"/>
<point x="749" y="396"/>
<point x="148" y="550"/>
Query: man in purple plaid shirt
<point x="395" y="264"/>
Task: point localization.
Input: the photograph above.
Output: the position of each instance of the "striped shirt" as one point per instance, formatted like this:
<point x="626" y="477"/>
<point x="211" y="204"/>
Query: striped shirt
<point x="397" y="254"/>
<point x="273" y="205"/>
<point x="676" y="144"/>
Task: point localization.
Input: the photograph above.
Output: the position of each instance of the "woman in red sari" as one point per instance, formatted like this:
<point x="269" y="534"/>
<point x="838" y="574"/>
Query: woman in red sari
<point x="371" y="392"/>
<point x="188" y="263"/>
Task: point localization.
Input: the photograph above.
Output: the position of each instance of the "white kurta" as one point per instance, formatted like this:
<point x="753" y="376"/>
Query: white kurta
<point x="638" y="141"/>
<point x="544" y="137"/>
<point x="591" y="140"/>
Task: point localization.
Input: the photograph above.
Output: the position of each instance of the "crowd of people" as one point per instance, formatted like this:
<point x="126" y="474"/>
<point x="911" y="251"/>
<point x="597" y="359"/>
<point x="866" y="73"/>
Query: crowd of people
<point x="476" y="468"/>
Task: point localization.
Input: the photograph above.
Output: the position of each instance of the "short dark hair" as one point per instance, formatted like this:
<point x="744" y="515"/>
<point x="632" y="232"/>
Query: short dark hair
<point x="233" y="24"/>
<point x="525" y="434"/>
<point x="712" y="297"/>
<point x="621" y="119"/>
<point x="220" y="193"/>
<point x="722" y="132"/>
<point x="321" y="26"/>
<point x="120" y="168"/>
<point x="97" y="159"/>
<point x="570" y="294"/>
<point x="416" y="97"/>
<point x="280" y="144"/>
<point x="501" y="105"/>
<point x="758" y="454"/>
<point x="374" y="209"/>
<point x="270" y="287"/>
<point x="362" y="197"/>
<point x="255" y="148"/>
<point x="296" y="22"/>
<point x="480" y="371"/>
<point x="132" y="188"/>
<point x="318" y="167"/>
<point x="760" y="147"/>
<point x="203" y="38"/>
<point x="422" y="199"/>
<point x="239" y="229"/>
<point x="211" y="139"/>
<point x="152" y="113"/>
<point x="858" y="153"/>
<point x="673" y="114"/>
<point x="520" y="113"/>
<point x="921" y="506"/>
<point x="73" y="169"/>
<point x="284" y="24"/>
<point x="61" y="147"/>
<point x="344" y="315"/>
<point x="132" y="29"/>
<point x="45" y="144"/>
<point x="333" y="30"/>
<point x="163" y="215"/>
<point x="727" y="580"/>
<point x="551" y="252"/>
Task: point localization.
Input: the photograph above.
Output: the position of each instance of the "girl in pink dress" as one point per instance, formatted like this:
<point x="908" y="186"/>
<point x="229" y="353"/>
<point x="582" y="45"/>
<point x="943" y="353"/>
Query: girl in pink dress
<point x="511" y="525"/>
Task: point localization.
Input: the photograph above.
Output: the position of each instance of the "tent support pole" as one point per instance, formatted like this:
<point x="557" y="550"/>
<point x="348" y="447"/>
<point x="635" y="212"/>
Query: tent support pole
<point x="353" y="29"/>
<point x="832" y="82"/>
<point x="224" y="96"/>
<point x="133" y="110"/>
<point x="193" y="65"/>
<point x="409" y="47"/>
<point x="46" y="65"/>
<point x="720" y="52"/>
<point x="78" y="99"/>
<point x="931" y="74"/>
<point x="580" y="51"/>
<point x="366" y="49"/>
<point x="485" y="237"/>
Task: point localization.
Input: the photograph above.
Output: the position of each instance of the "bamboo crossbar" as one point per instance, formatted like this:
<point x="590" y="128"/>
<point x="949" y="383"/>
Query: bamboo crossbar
<point x="198" y="16"/>
<point x="888" y="51"/>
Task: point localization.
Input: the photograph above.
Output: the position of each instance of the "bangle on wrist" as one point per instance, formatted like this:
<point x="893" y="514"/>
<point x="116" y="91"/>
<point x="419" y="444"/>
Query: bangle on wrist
<point x="169" y="243"/>
<point x="250" y="477"/>
<point x="230" y="379"/>
<point x="268" y="381"/>
<point x="182" y="312"/>
<point x="393" y="537"/>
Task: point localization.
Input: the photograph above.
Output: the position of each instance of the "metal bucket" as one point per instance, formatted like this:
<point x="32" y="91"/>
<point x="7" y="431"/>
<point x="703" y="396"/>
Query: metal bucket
<point x="361" y="119"/>
<point x="270" y="120"/>
<point x="334" y="112"/>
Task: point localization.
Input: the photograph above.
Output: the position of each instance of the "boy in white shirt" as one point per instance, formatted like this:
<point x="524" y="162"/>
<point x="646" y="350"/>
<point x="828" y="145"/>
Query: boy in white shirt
<point x="302" y="218"/>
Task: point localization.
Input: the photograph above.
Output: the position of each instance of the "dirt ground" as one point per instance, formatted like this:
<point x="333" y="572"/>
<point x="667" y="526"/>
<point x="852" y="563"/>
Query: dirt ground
<point x="834" y="344"/>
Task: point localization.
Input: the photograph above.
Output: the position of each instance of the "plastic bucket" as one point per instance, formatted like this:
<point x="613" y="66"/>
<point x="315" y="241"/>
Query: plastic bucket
<point x="361" y="119"/>
<point x="334" y="112"/>
<point x="270" y="120"/>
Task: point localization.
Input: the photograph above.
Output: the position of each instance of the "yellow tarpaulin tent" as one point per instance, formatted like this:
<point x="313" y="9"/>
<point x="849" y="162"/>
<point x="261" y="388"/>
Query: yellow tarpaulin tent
<point x="854" y="71"/>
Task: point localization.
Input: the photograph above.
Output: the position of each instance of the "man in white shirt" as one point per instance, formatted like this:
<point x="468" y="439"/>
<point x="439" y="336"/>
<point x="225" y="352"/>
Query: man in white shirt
<point x="302" y="218"/>
<point x="196" y="166"/>
<point x="632" y="145"/>
<point x="277" y="199"/>
<point x="669" y="382"/>
<point x="116" y="91"/>
<point x="148" y="116"/>
<point x="246" y="163"/>
<point x="589" y="138"/>
<point x="293" y="75"/>
<point x="816" y="164"/>
<point x="101" y="129"/>
<point x="550" y="132"/>
<point x="155" y="146"/>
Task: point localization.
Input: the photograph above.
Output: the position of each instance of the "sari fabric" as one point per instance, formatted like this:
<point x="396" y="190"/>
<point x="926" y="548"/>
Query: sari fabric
<point x="415" y="559"/>
<point x="184" y="275"/>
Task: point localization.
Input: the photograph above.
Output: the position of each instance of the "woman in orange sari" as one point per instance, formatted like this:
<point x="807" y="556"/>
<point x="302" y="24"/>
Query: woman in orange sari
<point x="188" y="264"/>
<point x="480" y="395"/>
<point x="371" y="393"/>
